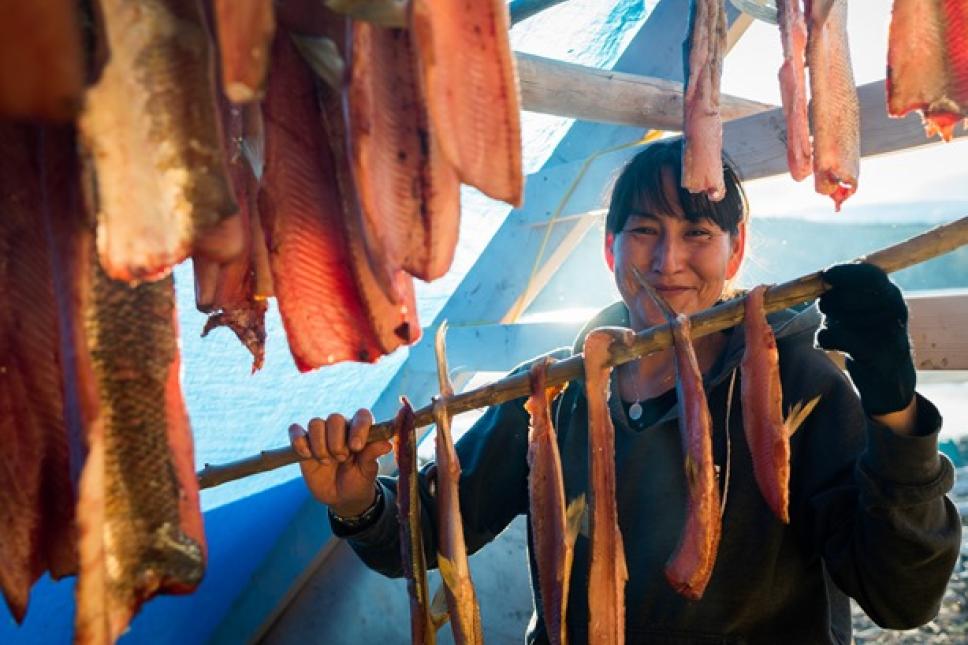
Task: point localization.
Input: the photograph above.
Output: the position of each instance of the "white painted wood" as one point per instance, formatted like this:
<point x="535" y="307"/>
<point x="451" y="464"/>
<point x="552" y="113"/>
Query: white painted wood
<point x="607" y="96"/>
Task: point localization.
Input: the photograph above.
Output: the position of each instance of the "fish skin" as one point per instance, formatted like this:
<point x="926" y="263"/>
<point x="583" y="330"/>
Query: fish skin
<point x="150" y="125"/>
<point x="762" y="398"/>
<point x="409" y="192"/>
<point x="412" y="555"/>
<point x="330" y="305"/>
<point x="607" y="573"/>
<point x="138" y="512"/>
<point x="834" y="106"/>
<point x="41" y="60"/>
<point x="956" y="47"/>
<point x="553" y="534"/>
<point x="702" y="54"/>
<point x="793" y="87"/>
<point x="465" y="615"/>
<point x="471" y="88"/>
<point x="245" y="30"/>
<point x="37" y="191"/>
<point x="691" y="565"/>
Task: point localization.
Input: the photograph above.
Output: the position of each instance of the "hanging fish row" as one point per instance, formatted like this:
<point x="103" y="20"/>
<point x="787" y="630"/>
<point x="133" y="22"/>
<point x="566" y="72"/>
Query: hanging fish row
<point x="927" y="71"/>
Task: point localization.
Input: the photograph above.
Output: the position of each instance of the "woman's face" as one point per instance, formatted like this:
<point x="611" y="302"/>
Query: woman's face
<point x="687" y="263"/>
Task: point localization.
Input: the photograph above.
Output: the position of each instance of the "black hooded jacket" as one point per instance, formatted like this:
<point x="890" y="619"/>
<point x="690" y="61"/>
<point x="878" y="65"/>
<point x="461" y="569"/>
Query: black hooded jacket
<point x="868" y="512"/>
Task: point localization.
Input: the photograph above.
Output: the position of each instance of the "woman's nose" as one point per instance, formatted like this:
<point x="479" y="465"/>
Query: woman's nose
<point x="666" y="255"/>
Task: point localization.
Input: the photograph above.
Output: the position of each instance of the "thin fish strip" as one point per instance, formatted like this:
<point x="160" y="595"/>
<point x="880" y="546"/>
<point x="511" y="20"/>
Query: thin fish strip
<point x="690" y="567"/>
<point x="245" y="29"/>
<point x="422" y="630"/>
<point x="471" y="89"/>
<point x="793" y="87"/>
<point x="465" y="615"/>
<point x="36" y="492"/>
<point x="150" y="125"/>
<point x="313" y="256"/>
<point x="554" y="527"/>
<point x="702" y="54"/>
<point x="41" y="60"/>
<point x="409" y="192"/>
<point x="956" y="47"/>
<point x="607" y="573"/>
<point x="834" y="106"/>
<point x="139" y="515"/>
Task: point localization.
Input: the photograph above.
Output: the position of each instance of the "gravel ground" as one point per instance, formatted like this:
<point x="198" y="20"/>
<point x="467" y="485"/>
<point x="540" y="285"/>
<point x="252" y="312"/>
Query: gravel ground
<point x="951" y="624"/>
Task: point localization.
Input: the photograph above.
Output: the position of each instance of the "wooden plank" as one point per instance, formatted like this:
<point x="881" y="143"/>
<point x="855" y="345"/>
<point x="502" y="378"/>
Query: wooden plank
<point x="757" y="144"/>
<point x="937" y="323"/>
<point x="607" y="96"/>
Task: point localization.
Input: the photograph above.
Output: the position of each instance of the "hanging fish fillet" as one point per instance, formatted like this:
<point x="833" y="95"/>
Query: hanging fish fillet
<point x="702" y="130"/>
<point x="422" y="631"/>
<point x="834" y="107"/>
<point x="793" y="87"/>
<point x="138" y="513"/>
<point x="150" y="125"/>
<point x="37" y="190"/>
<point x="330" y="304"/>
<point x="767" y="432"/>
<point x="471" y="89"/>
<point x="228" y="292"/>
<point x="927" y="63"/>
<point x="465" y="615"/>
<point x="554" y="527"/>
<point x="245" y="29"/>
<point x="607" y="573"/>
<point x="41" y="60"/>
<point x="691" y="566"/>
<point x="409" y="192"/>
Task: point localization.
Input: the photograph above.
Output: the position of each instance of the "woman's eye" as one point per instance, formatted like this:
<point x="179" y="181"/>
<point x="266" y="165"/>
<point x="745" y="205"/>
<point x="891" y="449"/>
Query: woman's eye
<point x="699" y="232"/>
<point x="643" y="230"/>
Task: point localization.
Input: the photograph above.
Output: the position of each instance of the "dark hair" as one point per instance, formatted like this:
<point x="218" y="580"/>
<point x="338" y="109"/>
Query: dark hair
<point x="641" y="183"/>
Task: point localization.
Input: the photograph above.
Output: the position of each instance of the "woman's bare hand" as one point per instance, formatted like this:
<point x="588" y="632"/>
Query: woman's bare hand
<point x="341" y="468"/>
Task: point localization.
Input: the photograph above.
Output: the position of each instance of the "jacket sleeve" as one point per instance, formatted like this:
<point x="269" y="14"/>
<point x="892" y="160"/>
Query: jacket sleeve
<point x="873" y="503"/>
<point x="493" y="491"/>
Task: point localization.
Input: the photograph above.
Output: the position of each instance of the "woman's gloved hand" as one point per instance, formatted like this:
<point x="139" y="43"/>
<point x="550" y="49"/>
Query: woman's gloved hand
<point x="865" y="317"/>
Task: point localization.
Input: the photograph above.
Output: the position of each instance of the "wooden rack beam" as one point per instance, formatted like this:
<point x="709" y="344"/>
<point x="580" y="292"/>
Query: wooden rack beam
<point x="937" y="241"/>
<point x="576" y="91"/>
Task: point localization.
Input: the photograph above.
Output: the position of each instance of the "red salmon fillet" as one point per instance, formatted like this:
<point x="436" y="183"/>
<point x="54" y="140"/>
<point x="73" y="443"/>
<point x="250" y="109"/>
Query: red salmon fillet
<point x="834" y="107"/>
<point x="793" y="87"/>
<point x="409" y="192"/>
<point x="471" y="89"/>
<point x="41" y="72"/>
<point x="245" y="29"/>
<point x="607" y="573"/>
<point x="330" y="307"/>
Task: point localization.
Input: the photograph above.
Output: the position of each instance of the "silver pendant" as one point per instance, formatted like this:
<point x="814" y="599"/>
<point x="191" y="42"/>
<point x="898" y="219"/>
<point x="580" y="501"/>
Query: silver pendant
<point x="635" y="411"/>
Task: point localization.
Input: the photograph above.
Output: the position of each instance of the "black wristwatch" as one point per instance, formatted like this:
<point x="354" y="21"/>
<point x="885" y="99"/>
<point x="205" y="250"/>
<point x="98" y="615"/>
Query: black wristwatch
<point x="367" y="516"/>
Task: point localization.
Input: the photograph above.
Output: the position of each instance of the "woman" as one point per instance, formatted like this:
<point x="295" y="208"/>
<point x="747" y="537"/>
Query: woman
<point x="869" y="518"/>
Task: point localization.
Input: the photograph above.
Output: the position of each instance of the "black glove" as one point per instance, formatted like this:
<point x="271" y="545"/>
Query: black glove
<point x="865" y="317"/>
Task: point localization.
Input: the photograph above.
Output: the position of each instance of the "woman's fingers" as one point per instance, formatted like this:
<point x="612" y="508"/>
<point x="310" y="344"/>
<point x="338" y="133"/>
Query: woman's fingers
<point x="336" y="437"/>
<point x="317" y="440"/>
<point x="299" y="441"/>
<point x="360" y="429"/>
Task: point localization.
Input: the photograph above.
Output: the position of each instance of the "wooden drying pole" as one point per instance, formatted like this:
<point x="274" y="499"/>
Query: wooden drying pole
<point x="930" y="244"/>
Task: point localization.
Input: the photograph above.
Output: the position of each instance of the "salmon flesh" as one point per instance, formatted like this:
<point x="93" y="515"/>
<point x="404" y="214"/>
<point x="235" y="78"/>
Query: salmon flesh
<point x="691" y="566"/>
<point x="38" y="196"/>
<point x="834" y="106"/>
<point x="471" y="89"/>
<point x="793" y="87"/>
<point x="554" y="527"/>
<point x="150" y="125"/>
<point x="409" y="192"/>
<point x="927" y="63"/>
<point x="41" y="60"/>
<point x="138" y="512"/>
<point x="607" y="573"/>
<point x="412" y="554"/>
<point x="702" y="130"/>
<point x="245" y="29"/>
